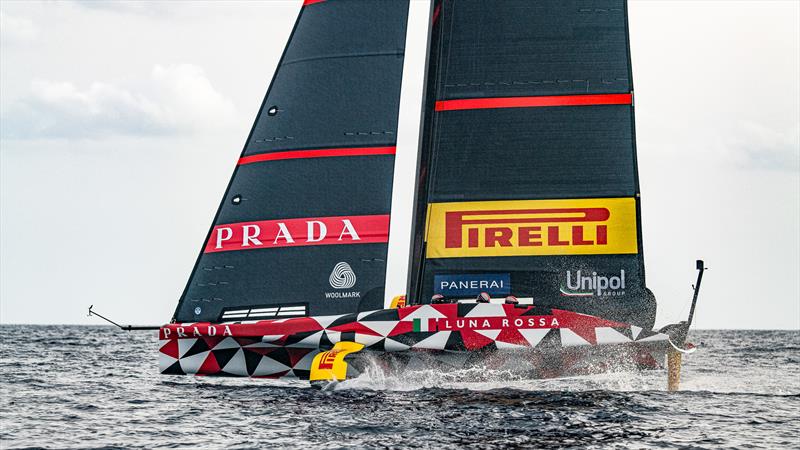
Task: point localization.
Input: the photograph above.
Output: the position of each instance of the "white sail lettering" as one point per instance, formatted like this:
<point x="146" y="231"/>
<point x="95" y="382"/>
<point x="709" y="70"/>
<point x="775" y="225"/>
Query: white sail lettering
<point x="227" y="331"/>
<point x="212" y="331"/>
<point x="323" y="230"/>
<point x="180" y="332"/>
<point x="349" y="229"/>
<point x="248" y="238"/>
<point x="283" y="232"/>
<point x="577" y="284"/>
<point x="223" y="234"/>
<point x="167" y="332"/>
<point x="602" y="284"/>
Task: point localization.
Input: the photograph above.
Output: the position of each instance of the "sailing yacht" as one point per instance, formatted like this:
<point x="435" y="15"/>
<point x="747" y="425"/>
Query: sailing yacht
<point x="518" y="228"/>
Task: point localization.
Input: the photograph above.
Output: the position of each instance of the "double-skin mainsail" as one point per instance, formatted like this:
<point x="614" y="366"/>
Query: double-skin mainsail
<point x="303" y="226"/>
<point x="529" y="180"/>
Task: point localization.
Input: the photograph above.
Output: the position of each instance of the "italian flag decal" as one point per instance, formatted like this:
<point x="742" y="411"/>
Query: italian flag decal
<point x="424" y="325"/>
<point x="569" y="293"/>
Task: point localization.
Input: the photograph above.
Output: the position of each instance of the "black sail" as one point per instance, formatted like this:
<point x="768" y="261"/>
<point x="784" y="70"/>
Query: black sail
<point x="303" y="226"/>
<point x="528" y="177"/>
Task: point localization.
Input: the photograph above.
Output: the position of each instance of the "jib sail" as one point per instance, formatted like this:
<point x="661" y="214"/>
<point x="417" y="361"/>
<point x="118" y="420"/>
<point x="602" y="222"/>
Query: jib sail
<point x="528" y="183"/>
<point x="303" y="226"/>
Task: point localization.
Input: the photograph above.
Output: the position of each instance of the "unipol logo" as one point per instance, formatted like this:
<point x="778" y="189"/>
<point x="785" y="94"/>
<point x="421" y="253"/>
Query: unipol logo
<point x="532" y="227"/>
<point x="591" y="284"/>
<point x="299" y="232"/>
<point x="342" y="276"/>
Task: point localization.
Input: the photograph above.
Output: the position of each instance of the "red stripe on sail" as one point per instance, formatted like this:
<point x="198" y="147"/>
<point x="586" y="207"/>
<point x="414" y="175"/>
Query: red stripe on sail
<point x="311" y="2"/>
<point x="319" y="153"/>
<point x="534" y="102"/>
<point x="337" y="230"/>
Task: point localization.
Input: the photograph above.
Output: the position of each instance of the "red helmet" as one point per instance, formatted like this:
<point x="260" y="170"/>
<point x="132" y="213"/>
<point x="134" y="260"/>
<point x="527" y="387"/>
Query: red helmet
<point x="483" y="297"/>
<point x="511" y="300"/>
<point x="438" y="298"/>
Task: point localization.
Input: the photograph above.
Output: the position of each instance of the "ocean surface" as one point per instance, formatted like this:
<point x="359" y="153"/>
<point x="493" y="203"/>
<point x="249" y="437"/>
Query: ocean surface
<point x="97" y="387"/>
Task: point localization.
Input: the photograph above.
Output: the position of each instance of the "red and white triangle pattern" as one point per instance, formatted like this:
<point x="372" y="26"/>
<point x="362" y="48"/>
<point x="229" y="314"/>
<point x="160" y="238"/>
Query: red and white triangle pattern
<point x="286" y="347"/>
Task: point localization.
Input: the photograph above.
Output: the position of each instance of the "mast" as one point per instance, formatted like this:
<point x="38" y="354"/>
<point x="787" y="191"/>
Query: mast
<point x="398" y="261"/>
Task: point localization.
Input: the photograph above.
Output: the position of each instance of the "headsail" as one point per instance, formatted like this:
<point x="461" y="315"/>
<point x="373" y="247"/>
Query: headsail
<point x="303" y="226"/>
<point x="529" y="180"/>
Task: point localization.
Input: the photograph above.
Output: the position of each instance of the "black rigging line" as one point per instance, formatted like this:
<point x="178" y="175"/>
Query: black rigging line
<point x="122" y="327"/>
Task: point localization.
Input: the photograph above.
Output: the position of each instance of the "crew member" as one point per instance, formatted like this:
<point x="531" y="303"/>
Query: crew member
<point x="438" y="299"/>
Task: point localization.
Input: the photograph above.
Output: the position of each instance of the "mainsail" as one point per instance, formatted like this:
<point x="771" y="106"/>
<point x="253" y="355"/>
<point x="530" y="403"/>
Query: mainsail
<point x="528" y="175"/>
<point x="303" y="226"/>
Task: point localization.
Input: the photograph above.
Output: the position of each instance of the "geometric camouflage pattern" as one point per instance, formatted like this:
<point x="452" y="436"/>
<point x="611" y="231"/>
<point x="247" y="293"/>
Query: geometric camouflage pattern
<point x="286" y="347"/>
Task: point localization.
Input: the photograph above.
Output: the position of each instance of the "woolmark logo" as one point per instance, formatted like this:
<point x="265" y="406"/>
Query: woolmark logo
<point x="584" y="284"/>
<point x="342" y="276"/>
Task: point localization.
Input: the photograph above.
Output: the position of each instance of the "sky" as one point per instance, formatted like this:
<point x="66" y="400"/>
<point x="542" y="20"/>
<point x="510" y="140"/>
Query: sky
<point x="121" y="122"/>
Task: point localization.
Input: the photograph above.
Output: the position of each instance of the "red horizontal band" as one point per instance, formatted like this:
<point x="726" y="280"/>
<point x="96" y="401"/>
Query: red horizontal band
<point x="338" y="230"/>
<point x="311" y="2"/>
<point x="533" y="102"/>
<point x="318" y="153"/>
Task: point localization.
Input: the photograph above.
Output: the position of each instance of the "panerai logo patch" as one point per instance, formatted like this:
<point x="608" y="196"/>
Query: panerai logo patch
<point x="472" y="284"/>
<point x="591" y="284"/>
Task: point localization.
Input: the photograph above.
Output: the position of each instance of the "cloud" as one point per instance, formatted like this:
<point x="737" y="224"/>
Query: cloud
<point x="124" y="6"/>
<point x="755" y="146"/>
<point x="16" y="29"/>
<point x="176" y="99"/>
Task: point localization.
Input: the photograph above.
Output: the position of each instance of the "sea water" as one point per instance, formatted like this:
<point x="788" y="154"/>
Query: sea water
<point x="97" y="387"/>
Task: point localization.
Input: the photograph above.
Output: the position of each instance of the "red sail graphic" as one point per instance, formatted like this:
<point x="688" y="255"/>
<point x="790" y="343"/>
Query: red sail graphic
<point x="338" y="230"/>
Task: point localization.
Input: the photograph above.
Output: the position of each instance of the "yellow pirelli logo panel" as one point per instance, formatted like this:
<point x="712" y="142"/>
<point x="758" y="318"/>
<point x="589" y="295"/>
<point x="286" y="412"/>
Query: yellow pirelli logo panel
<point x="596" y="226"/>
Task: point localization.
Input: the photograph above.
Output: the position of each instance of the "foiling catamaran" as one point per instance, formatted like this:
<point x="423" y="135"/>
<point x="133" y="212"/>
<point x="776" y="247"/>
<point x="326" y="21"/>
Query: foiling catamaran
<point x="524" y="245"/>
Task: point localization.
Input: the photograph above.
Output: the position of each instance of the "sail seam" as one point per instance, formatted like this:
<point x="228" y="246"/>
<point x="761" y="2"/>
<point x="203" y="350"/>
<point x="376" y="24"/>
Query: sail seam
<point x="341" y="56"/>
<point x="318" y="153"/>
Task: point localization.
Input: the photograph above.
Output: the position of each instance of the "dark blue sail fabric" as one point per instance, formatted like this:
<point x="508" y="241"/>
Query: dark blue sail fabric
<point x="529" y="159"/>
<point x="303" y="226"/>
